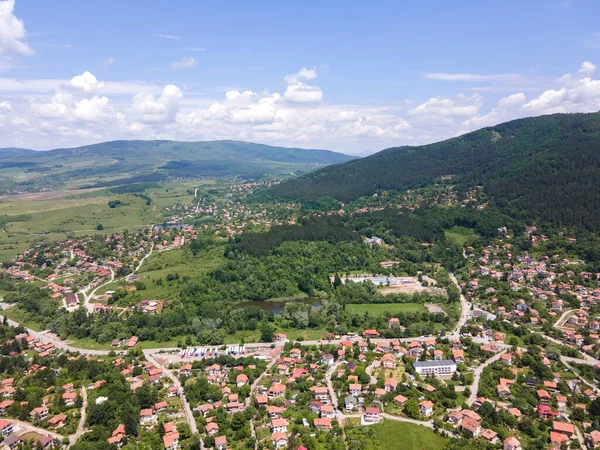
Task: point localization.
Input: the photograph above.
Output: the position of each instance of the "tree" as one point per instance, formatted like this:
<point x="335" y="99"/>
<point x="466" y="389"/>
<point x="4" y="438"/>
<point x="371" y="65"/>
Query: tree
<point x="100" y="227"/>
<point x="412" y="409"/>
<point x="267" y="331"/>
<point x="161" y="429"/>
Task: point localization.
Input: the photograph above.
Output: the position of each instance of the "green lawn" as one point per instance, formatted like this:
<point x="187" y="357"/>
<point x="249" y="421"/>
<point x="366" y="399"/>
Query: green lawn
<point x="381" y="308"/>
<point x="391" y="435"/>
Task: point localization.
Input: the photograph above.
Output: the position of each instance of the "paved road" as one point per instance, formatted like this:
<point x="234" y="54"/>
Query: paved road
<point x="465" y="310"/>
<point x="87" y="297"/>
<point x="477" y="376"/>
<point x="187" y="411"/>
<point x="26" y="426"/>
<point x="81" y="427"/>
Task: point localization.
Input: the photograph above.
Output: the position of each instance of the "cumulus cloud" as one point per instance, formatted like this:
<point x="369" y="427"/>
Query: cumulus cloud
<point x="147" y="108"/>
<point x="184" y="63"/>
<point x="12" y="31"/>
<point x="49" y="113"/>
<point x="579" y="93"/>
<point x="459" y="106"/>
<point x="111" y="60"/>
<point x="86" y="81"/>
<point x="299" y="92"/>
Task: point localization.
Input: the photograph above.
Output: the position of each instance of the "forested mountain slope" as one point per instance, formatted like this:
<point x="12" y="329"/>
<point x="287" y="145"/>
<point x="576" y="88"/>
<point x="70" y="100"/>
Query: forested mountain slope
<point x="547" y="166"/>
<point x="155" y="160"/>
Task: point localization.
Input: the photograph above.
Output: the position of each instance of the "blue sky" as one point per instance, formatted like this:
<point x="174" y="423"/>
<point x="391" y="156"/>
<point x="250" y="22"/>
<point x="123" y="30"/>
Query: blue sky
<point x="355" y="77"/>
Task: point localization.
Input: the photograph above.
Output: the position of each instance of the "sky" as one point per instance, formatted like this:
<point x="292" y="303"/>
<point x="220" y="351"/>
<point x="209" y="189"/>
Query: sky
<point x="352" y="76"/>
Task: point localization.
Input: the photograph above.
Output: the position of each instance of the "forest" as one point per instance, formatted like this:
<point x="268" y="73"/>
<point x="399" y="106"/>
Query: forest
<point x="547" y="168"/>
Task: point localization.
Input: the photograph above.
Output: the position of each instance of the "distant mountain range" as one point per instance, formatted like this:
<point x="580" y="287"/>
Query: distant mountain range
<point x="546" y="167"/>
<point x="120" y="162"/>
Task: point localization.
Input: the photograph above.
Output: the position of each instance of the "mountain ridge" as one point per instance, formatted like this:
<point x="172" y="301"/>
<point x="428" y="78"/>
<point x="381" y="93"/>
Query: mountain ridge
<point x="548" y="166"/>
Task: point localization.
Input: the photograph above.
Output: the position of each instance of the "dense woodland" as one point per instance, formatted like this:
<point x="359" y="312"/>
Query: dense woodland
<point x="546" y="167"/>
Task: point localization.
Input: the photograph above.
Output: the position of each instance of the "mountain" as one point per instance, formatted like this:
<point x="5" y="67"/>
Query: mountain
<point x="547" y="167"/>
<point x="119" y="162"/>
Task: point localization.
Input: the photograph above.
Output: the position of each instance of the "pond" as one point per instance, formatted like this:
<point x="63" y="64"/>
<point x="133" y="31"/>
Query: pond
<point x="277" y="306"/>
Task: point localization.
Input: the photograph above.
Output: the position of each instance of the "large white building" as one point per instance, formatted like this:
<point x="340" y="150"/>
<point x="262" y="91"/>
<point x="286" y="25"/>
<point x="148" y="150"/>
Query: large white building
<point x="435" y="367"/>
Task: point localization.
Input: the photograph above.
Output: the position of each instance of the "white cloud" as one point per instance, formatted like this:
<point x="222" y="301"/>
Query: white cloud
<point x="111" y="60"/>
<point x="197" y="49"/>
<point x="578" y="93"/>
<point x="93" y="109"/>
<point x="299" y="92"/>
<point x="147" y="108"/>
<point x="86" y="81"/>
<point x="470" y="77"/>
<point x="459" y="106"/>
<point x="12" y="31"/>
<point x="51" y="113"/>
<point x="169" y="37"/>
<point x="183" y="63"/>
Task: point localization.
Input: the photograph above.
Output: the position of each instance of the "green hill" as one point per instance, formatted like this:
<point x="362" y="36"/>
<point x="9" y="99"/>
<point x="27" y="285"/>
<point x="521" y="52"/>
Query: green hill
<point x="548" y="167"/>
<point x="118" y="162"/>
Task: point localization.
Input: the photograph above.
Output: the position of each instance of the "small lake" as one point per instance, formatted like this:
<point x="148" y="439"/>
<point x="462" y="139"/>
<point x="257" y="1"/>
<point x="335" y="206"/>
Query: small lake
<point x="277" y="306"/>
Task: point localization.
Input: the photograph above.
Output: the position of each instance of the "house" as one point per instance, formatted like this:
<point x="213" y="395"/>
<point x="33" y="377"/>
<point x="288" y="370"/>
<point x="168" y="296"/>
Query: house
<point x="241" y="380"/>
<point x="147" y="416"/>
<point x="512" y="443"/>
<point x="279" y="439"/>
<point x="69" y="398"/>
<point x="58" y="421"/>
<point x="350" y="403"/>
<point x="545" y="412"/>
<point x="6" y="427"/>
<point x="490" y="436"/>
<point x="186" y="370"/>
<point x="458" y="355"/>
<point x="390" y="385"/>
<point x="171" y="441"/>
<point x="12" y="441"/>
<point x="594" y="439"/>
<point x="319" y="393"/>
<point x="370" y="334"/>
<point x="543" y="396"/>
<point x="400" y="399"/>
<point x="117" y="435"/>
<point x="327" y="412"/>
<point x="355" y="389"/>
<point x="426" y="408"/>
<point x="565" y="428"/>
<point x="435" y="367"/>
<point x="322" y="423"/>
<point x="278" y="425"/>
<point x="471" y="425"/>
<point x="388" y="361"/>
<point x="276" y="391"/>
<point x="212" y="428"/>
<point x="39" y="413"/>
<point x="371" y="415"/>
<point x="221" y="443"/>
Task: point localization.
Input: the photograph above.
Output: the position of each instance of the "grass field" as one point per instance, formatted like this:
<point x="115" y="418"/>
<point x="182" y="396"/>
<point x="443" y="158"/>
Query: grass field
<point x="178" y="260"/>
<point x="391" y="435"/>
<point x="460" y="235"/>
<point x="51" y="215"/>
<point x="380" y="308"/>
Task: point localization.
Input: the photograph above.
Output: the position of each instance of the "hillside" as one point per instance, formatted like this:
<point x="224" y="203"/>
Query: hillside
<point x="547" y="166"/>
<point x="153" y="160"/>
